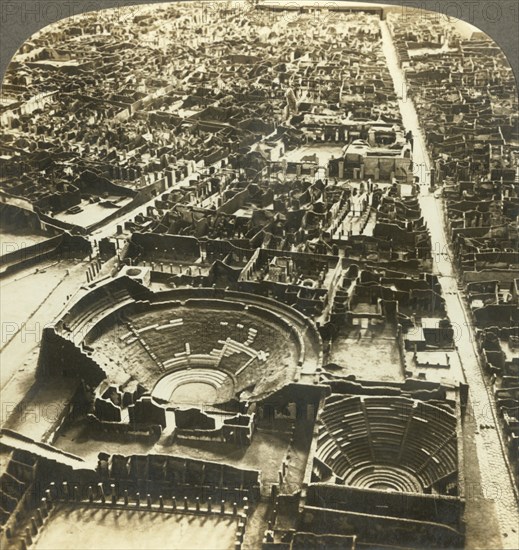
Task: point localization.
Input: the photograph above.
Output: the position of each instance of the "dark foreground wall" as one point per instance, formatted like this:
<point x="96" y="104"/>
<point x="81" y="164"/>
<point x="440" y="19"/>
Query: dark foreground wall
<point x="61" y="357"/>
<point x="435" y="508"/>
<point x="381" y="530"/>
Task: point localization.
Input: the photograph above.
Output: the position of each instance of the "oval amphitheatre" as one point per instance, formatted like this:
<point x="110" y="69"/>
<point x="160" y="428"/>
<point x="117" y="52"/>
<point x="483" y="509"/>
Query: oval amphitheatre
<point x="205" y="345"/>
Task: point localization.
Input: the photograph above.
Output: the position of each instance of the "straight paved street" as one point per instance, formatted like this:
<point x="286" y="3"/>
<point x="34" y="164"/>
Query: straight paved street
<point x="30" y="302"/>
<point x="496" y="483"/>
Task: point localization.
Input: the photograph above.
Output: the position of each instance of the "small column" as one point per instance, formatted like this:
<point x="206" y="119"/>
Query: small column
<point x="114" y="494"/>
<point x="46" y="507"/>
<point x="241" y="530"/>
<point x="186" y="507"/>
<point x="161" y="502"/>
<point x="101" y="492"/>
<point x="137" y="499"/>
<point x="148" y="500"/>
<point x="222" y="507"/>
<point x="174" y="503"/>
<point x="209" y="504"/>
<point x="125" y="496"/>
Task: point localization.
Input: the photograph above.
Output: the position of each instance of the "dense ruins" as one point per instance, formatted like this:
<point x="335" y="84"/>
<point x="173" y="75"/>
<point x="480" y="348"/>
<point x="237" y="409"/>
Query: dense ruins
<point x="260" y="281"/>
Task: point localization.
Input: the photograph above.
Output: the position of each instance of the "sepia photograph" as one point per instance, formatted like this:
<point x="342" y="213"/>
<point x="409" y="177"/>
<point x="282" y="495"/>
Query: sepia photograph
<point x="259" y="276"/>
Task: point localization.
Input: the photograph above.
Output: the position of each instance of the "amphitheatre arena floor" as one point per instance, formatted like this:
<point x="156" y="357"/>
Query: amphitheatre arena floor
<point x="82" y="527"/>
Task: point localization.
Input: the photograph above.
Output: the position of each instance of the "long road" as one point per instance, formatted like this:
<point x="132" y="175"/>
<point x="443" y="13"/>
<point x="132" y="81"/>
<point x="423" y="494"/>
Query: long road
<point x="497" y="484"/>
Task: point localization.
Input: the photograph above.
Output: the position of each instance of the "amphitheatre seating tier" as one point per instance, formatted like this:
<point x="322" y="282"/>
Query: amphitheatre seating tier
<point x="385" y="477"/>
<point x="170" y="333"/>
<point x="366" y="440"/>
<point x="94" y="306"/>
<point x="102" y="303"/>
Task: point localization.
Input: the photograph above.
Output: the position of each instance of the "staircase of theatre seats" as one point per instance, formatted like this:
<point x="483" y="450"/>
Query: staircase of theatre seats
<point x="203" y="330"/>
<point x="193" y="339"/>
<point x="175" y="343"/>
<point x="388" y="442"/>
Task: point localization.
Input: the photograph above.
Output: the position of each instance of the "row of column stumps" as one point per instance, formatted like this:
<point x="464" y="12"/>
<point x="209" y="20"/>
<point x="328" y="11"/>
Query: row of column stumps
<point x="36" y="522"/>
<point x="149" y="501"/>
<point x="42" y="512"/>
<point x="269" y="533"/>
<point x="242" y="524"/>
